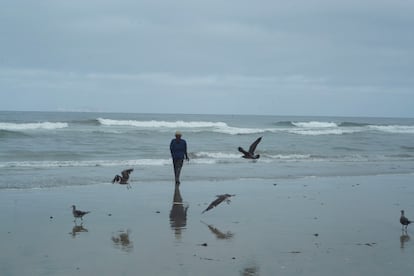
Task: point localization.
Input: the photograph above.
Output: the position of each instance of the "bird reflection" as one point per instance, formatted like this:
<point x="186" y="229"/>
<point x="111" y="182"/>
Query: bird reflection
<point x="121" y="240"/>
<point x="219" y="235"/>
<point x="178" y="213"/>
<point x="77" y="229"/>
<point x="250" y="271"/>
<point x="404" y="238"/>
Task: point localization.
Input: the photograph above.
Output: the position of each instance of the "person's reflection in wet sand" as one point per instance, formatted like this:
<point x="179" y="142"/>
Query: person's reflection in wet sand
<point x="219" y="235"/>
<point x="77" y="229"/>
<point x="404" y="238"/>
<point x="178" y="213"/>
<point x="121" y="240"/>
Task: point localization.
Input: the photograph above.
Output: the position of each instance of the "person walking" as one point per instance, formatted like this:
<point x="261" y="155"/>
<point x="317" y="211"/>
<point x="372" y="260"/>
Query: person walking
<point x="178" y="148"/>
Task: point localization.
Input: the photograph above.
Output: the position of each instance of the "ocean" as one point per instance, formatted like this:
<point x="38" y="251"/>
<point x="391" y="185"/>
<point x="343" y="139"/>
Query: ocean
<point x="58" y="149"/>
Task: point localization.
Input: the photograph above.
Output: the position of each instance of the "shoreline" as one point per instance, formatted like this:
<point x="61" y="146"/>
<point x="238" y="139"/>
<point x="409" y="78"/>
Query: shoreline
<point x="345" y="225"/>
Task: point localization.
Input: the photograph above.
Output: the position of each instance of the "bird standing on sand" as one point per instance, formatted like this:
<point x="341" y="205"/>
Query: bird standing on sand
<point x="404" y="221"/>
<point x="124" y="178"/>
<point x="250" y="154"/>
<point x="220" y="199"/>
<point x="78" y="213"/>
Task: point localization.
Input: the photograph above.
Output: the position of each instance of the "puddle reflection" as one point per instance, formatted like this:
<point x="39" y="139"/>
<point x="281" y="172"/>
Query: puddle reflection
<point x="77" y="229"/>
<point x="219" y="234"/>
<point x="250" y="271"/>
<point x="122" y="241"/>
<point x="178" y="213"/>
<point x="404" y="238"/>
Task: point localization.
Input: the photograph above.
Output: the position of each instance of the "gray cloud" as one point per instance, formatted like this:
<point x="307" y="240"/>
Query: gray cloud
<point x="273" y="57"/>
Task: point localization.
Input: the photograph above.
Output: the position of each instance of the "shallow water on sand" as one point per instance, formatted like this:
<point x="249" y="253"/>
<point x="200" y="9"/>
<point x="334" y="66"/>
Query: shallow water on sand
<point x="323" y="199"/>
<point x="308" y="226"/>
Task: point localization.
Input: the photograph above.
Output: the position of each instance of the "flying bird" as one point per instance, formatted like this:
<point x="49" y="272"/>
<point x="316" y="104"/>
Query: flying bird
<point x="220" y="199"/>
<point x="404" y="221"/>
<point x="250" y="154"/>
<point x="123" y="178"/>
<point x="78" y="213"/>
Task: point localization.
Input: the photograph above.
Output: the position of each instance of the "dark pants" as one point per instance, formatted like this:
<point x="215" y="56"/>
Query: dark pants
<point x="178" y="164"/>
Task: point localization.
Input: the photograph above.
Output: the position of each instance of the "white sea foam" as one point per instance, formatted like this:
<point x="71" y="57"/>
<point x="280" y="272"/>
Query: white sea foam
<point x="85" y="163"/>
<point x="217" y="155"/>
<point x="314" y="128"/>
<point x="161" y="124"/>
<point x="394" y="129"/>
<point x="238" y="130"/>
<point x="205" y="161"/>
<point x="203" y="157"/>
<point x="290" y="156"/>
<point x="302" y="128"/>
<point x="327" y="131"/>
<point x="195" y="126"/>
<point x="315" y="124"/>
<point x="32" y="126"/>
<point x="327" y="128"/>
<point x="233" y="156"/>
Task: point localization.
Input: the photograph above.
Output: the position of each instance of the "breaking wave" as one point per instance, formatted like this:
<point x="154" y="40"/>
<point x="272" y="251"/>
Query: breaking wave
<point x="315" y="124"/>
<point x="394" y="129"/>
<point x="194" y="126"/>
<point x="32" y="126"/>
<point x="327" y="131"/>
<point x="315" y="128"/>
<point x="294" y="127"/>
<point x="161" y="124"/>
<point x="332" y="128"/>
<point x="352" y="124"/>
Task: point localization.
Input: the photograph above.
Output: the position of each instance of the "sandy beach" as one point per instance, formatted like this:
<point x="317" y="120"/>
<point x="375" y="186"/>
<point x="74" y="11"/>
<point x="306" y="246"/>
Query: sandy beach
<point x="308" y="226"/>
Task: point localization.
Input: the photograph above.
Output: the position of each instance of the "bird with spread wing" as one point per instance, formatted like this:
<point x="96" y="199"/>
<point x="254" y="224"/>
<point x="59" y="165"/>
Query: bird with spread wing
<point x="220" y="199"/>
<point x="250" y="154"/>
<point x="123" y="178"/>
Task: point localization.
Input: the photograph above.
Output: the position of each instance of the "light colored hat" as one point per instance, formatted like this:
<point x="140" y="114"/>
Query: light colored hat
<point x="178" y="133"/>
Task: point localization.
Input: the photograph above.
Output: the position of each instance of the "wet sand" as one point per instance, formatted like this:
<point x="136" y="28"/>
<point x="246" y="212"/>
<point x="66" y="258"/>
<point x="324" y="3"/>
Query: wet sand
<point x="312" y="226"/>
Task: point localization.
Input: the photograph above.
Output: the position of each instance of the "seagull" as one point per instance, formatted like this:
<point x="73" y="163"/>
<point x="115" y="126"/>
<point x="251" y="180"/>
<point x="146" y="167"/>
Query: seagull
<point x="124" y="178"/>
<point x="404" y="221"/>
<point x="78" y="213"/>
<point x="220" y="199"/>
<point x="250" y="154"/>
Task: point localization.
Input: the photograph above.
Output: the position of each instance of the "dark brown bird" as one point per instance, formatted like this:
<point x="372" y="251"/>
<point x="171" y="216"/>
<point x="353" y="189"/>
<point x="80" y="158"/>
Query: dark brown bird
<point x="404" y="221"/>
<point x="250" y="154"/>
<point x="123" y="178"/>
<point x="220" y="199"/>
<point x="78" y="213"/>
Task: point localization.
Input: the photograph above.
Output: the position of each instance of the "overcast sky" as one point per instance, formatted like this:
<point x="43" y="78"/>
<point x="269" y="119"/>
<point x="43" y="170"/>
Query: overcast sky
<point x="299" y="57"/>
